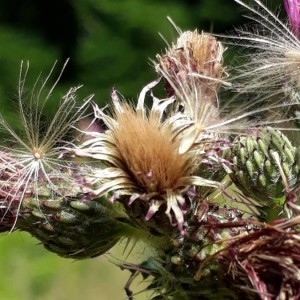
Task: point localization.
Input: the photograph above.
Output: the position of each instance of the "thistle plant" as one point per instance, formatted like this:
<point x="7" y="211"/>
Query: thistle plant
<point x="210" y="185"/>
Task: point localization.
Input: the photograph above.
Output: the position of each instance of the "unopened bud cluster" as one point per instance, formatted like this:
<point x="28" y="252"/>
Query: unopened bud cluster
<point x="265" y="166"/>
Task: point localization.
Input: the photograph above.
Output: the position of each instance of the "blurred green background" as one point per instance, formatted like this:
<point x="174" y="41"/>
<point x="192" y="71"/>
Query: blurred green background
<point x="109" y="44"/>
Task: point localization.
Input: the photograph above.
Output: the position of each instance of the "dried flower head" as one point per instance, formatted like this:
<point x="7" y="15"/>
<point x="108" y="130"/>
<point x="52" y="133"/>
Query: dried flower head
<point x="142" y="164"/>
<point x="33" y="157"/>
<point x="192" y="70"/>
<point x="194" y="61"/>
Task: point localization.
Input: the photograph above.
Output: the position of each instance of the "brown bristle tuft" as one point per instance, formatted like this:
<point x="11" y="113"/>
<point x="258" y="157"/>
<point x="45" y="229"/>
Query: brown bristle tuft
<point x="148" y="151"/>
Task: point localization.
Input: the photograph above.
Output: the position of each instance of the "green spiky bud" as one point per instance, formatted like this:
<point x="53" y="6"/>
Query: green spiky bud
<point x="265" y="166"/>
<point x="65" y="216"/>
<point x="73" y="228"/>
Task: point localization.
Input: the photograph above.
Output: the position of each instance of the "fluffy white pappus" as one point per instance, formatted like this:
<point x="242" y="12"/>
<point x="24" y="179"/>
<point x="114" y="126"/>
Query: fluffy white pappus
<point x="192" y="68"/>
<point x="266" y="75"/>
<point x="273" y="54"/>
<point x="32" y="159"/>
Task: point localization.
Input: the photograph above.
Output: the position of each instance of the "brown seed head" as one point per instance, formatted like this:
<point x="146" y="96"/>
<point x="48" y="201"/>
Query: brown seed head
<point x="193" y="62"/>
<point x="143" y="165"/>
<point x="204" y="51"/>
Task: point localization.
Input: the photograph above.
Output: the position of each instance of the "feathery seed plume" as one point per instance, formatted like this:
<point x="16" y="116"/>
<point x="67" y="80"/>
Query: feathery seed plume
<point x="35" y="155"/>
<point x="269" y="71"/>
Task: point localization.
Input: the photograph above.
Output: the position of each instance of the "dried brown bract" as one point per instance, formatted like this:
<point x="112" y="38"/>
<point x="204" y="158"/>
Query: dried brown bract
<point x="267" y="261"/>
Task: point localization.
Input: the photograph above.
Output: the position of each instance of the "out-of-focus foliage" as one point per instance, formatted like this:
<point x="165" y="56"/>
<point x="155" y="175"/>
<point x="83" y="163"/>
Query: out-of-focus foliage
<point x="28" y="272"/>
<point x="109" y="43"/>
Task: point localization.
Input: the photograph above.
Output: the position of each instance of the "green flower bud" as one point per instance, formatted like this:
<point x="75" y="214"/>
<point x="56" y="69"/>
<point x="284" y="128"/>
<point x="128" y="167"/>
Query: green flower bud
<point x="265" y="166"/>
<point x="73" y="228"/>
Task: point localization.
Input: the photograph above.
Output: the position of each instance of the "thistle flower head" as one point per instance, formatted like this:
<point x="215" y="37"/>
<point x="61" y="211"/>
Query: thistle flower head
<point x="193" y="62"/>
<point x="34" y="156"/>
<point x="192" y="70"/>
<point x="292" y="8"/>
<point x="142" y="164"/>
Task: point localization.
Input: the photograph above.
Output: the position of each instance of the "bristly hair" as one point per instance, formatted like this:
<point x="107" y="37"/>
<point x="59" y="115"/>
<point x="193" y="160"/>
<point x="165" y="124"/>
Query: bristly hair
<point x="270" y="66"/>
<point x="193" y="71"/>
<point x="140" y="159"/>
<point x="192" y="68"/>
<point x="35" y="155"/>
